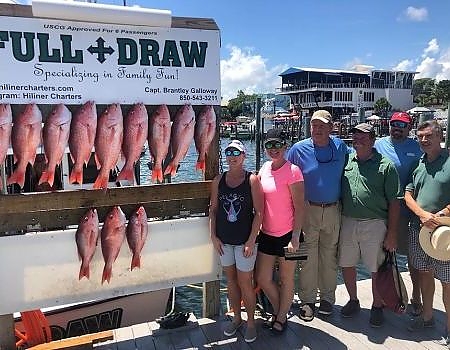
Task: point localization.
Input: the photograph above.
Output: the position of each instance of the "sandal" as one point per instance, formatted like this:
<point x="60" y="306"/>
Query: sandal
<point x="269" y="323"/>
<point x="280" y="331"/>
<point x="307" y="312"/>
<point x="416" y="308"/>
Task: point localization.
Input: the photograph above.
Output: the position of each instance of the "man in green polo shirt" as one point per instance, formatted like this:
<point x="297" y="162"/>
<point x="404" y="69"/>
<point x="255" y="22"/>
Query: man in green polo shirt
<point x="428" y="197"/>
<point x="371" y="195"/>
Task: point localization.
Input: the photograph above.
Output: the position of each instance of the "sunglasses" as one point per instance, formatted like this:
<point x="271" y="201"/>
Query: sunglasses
<point x="233" y="152"/>
<point x="398" y="124"/>
<point x="273" y="145"/>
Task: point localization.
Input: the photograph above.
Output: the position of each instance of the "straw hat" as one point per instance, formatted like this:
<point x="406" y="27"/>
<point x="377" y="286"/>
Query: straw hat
<point x="436" y="243"/>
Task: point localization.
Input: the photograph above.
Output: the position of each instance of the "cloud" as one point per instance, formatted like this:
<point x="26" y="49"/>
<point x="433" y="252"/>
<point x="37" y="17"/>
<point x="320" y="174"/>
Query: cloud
<point x="432" y="48"/>
<point x="404" y="65"/>
<point x="244" y="70"/>
<point x="415" y="14"/>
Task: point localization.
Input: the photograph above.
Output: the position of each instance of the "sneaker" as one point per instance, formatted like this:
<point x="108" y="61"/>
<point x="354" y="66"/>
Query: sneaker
<point x="444" y="341"/>
<point x="231" y="328"/>
<point x="376" y="317"/>
<point x="351" y="308"/>
<point x="325" y="308"/>
<point x="307" y="312"/>
<point x="250" y="334"/>
<point x="419" y="323"/>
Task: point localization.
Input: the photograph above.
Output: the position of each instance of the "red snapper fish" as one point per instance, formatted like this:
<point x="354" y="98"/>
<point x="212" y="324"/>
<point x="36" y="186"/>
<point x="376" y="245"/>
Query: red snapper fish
<point x="55" y="137"/>
<point x="159" y="140"/>
<point x="204" y="134"/>
<point x="87" y="238"/>
<point x="181" y="137"/>
<point x="108" y="143"/>
<point x="134" y="136"/>
<point x="81" y="139"/>
<point x="5" y="131"/>
<point x="112" y="237"/>
<point x="25" y="139"/>
<point x="137" y="230"/>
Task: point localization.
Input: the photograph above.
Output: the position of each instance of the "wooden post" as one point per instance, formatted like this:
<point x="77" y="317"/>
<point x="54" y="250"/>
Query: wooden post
<point x="211" y="290"/>
<point x="7" y="338"/>
<point x="258" y="133"/>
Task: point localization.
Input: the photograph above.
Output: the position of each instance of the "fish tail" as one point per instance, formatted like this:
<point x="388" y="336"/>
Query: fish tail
<point x="17" y="177"/>
<point x="101" y="182"/>
<point x="76" y="176"/>
<point x="200" y="165"/>
<point x="84" y="271"/>
<point x="135" y="261"/>
<point x="47" y="176"/>
<point x="157" y="175"/>
<point x="171" y="169"/>
<point x="107" y="273"/>
<point x="126" y="174"/>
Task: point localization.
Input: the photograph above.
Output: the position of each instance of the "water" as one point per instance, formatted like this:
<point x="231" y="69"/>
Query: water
<point x="189" y="298"/>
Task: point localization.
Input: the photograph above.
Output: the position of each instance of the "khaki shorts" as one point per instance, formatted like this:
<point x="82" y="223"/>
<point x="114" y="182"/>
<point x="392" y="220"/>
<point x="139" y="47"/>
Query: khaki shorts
<point x="362" y="240"/>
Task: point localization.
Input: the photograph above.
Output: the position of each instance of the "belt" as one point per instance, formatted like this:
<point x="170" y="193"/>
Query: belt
<point x="323" y="205"/>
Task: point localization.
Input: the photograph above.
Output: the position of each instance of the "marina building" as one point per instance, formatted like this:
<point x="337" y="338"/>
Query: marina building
<point x="344" y="92"/>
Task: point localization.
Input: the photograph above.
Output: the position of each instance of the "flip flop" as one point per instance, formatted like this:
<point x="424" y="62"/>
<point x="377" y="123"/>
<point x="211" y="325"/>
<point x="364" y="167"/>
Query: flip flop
<point x="269" y="322"/>
<point x="283" y="326"/>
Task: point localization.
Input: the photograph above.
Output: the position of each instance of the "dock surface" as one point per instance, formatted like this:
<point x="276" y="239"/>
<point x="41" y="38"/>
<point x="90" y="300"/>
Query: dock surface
<point x="327" y="332"/>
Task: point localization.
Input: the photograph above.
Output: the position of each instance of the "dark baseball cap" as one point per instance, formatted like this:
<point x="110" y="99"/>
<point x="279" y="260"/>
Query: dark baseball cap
<point x="276" y="134"/>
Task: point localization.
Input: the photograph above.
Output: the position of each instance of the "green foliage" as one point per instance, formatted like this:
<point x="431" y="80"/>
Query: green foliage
<point x="427" y="92"/>
<point x="442" y="91"/>
<point x="242" y="105"/>
<point x="382" y="106"/>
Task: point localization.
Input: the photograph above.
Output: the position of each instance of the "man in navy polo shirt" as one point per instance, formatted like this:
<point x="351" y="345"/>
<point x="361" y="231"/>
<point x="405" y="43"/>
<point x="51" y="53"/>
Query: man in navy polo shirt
<point x="321" y="159"/>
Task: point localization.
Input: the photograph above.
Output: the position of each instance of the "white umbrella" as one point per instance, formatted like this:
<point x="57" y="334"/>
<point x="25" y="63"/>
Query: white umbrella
<point x="419" y="110"/>
<point x="373" y="117"/>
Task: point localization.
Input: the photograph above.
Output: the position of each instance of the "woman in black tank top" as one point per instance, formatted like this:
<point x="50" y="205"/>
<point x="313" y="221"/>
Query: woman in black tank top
<point x="235" y="215"/>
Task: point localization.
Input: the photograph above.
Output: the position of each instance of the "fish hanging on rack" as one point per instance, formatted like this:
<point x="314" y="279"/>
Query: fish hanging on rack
<point x="181" y="137"/>
<point x="83" y="128"/>
<point x="159" y="140"/>
<point x="204" y="134"/>
<point x="86" y="238"/>
<point x="25" y="139"/>
<point x="5" y="131"/>
<point x="55" y="136"/>
<point x="137" y="231"/>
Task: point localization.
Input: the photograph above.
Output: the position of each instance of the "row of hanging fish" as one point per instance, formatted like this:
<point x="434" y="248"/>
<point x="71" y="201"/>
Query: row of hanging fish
<point x="112" y="134"/>
<point x="112" y="235"/>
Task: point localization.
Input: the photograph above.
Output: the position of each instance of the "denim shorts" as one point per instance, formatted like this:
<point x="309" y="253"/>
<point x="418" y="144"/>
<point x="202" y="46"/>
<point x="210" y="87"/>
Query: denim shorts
<point x="234" y="255"/>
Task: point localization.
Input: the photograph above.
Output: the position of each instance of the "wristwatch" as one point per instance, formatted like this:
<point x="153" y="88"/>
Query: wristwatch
<point x="440" y="213"/>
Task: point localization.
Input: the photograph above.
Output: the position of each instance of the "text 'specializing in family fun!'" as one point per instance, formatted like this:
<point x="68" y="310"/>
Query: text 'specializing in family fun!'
<point x="52" y="61"/>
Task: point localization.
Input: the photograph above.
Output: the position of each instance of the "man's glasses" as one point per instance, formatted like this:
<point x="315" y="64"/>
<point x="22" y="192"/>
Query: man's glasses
<point x="232" y="152"/>
<point x="398" y="124"/>
<point x="273" y="145"/>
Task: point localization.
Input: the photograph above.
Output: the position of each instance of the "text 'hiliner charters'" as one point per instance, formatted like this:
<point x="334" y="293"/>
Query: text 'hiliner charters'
<point x="28" y="46"/>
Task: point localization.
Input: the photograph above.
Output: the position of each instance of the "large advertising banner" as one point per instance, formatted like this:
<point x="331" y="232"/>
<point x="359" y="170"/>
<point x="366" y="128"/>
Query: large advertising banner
<point x="52" y="61"/>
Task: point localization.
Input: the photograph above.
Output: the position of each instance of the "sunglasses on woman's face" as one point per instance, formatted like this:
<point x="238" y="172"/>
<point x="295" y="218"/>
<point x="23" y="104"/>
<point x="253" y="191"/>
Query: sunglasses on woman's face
<point x="273" y="145"/>
<point x="398" y="124"/>
<point x="232" y="152"/>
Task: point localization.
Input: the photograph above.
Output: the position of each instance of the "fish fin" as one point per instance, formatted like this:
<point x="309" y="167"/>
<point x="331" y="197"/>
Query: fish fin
<point x="135" y="261"/>
<point x="76" y="176"/>
<point x="84" y="271"/>
<point x="101" y="182"/>
<point x="97" y="162"/>
<point x="47" y="176"/>
<point x="107" y="273"/>
<point x="126" y="174"/>
<point x="17" y="177"/>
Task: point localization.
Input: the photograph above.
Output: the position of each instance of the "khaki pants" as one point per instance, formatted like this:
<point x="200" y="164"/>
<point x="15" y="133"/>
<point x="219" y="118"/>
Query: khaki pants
<point x="319" y="271"/>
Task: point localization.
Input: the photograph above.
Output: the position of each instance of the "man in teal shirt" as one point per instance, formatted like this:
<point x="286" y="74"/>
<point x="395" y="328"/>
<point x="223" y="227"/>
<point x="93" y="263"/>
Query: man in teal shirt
<point x="371" y="195"/>
<point x="428" y="196"/>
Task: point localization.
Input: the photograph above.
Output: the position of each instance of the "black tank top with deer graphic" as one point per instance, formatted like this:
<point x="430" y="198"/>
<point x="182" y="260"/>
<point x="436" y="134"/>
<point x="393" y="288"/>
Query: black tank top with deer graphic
<point x="234" y="215"/>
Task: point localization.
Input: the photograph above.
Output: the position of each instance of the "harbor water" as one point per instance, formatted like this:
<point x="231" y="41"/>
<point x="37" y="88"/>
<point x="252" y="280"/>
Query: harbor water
<point x="189" y="298"/>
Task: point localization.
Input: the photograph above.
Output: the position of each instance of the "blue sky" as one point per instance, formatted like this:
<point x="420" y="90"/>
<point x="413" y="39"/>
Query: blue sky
<point x="261" y="39"/>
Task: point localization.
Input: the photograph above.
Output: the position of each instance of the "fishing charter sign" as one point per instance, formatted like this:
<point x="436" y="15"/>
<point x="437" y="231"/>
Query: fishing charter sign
<point x="49" y="61"/>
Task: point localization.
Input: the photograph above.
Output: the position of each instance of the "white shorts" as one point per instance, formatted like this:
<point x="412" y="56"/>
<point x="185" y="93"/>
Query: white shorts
<point x="234" y="255"/>
<point x="362" y="239"/>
